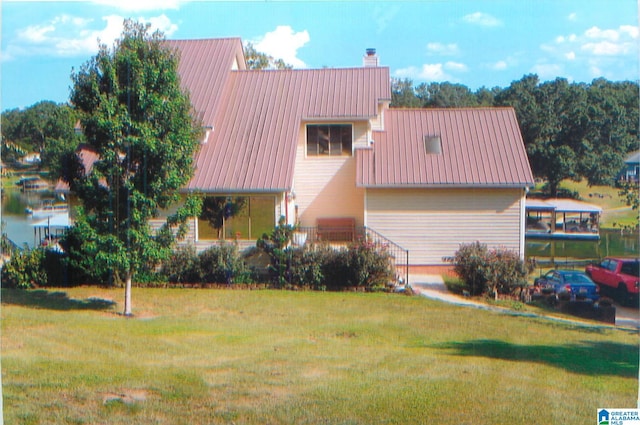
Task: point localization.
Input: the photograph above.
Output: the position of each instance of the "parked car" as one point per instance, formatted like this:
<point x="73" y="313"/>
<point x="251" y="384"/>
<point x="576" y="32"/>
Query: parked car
<point x="621" y="275"/>
<point x="568" y="285"/>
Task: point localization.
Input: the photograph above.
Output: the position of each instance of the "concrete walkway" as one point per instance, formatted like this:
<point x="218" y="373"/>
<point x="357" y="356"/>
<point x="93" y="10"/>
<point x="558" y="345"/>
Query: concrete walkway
<point x="432" y="286"/>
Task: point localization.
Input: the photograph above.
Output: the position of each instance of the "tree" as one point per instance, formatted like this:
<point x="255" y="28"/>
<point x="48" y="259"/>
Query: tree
<point x="446" y="95"/>
<point x="44" y="127"/>
<point x="403" y="94"/>
<point x="139" y="121"/>
<point x="259" y="60"/>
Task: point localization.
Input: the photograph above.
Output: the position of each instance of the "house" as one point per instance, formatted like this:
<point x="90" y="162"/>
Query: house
<point x="322" y="146"/>
<point x="631" y="172"/>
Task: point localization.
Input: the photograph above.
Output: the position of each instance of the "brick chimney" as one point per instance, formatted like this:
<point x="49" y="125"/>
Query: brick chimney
<point x="370" y="59"/>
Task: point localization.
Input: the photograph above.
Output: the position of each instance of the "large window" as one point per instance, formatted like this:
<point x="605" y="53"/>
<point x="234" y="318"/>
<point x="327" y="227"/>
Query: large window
<point x="236" y="217"/>
<point x="329" y="139"/>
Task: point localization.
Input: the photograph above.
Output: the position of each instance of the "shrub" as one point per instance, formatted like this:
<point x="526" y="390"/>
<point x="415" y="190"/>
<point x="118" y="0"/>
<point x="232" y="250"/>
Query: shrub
<point x="305" y="268"/>
<point x="277" y="246"/>
<point x="504" y="271"/>
<point x="183" y="266"/>
<point x="25" y="269"/>
<point x="489" y="271"/>
<point x="223" y="264"/>
<point x="468" y="264"/>
<point x="362" y="264"/>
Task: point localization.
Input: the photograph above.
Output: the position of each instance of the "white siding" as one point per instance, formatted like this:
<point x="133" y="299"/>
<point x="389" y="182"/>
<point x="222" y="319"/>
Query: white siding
<point x="326" y="187"/>
<point x="433" y="223"/>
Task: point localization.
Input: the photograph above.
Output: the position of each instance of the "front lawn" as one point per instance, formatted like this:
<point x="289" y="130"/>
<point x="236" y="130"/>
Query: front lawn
<point x="193" y="356"/>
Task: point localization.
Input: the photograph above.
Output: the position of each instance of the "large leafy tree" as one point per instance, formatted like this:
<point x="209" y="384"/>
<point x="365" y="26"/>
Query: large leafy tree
<point x="138" y="120"/>
<point x="44" y="127"/>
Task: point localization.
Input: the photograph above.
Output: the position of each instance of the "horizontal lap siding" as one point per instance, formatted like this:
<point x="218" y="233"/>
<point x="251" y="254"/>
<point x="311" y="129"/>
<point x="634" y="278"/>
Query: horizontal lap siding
<point x="325" y="187"/>
<point x="432" y="224"/>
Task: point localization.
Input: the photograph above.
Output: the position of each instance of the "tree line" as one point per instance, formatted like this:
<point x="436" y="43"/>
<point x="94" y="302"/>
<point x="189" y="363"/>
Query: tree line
<point x="570" y="130"/>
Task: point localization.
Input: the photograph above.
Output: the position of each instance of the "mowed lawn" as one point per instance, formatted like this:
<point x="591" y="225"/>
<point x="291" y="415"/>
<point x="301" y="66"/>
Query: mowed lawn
<point x="195" y="356"/>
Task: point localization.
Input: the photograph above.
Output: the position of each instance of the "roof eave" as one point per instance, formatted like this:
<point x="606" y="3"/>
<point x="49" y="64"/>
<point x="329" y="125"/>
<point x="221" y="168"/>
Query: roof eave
<point x="449" y="186"/>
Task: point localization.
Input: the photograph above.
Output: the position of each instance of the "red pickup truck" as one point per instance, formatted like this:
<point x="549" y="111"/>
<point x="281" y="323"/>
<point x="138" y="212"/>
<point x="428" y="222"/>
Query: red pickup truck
<point x="619" y="274"/>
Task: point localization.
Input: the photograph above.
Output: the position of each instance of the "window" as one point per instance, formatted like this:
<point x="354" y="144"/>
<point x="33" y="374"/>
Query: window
<point x="236" y="217"/>
<point x="329" y="139"/>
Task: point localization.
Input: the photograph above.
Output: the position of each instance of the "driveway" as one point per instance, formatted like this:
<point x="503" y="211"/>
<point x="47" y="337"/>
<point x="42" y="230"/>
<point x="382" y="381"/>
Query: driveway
<point x="432" y="286"/>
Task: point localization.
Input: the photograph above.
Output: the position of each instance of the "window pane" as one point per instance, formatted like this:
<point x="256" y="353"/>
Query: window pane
<point x="329" y="139"/>
<point x="312" y="140"/>
<point x="236" y="216"/>
<point x="323" y="140"/>
<point x="262" y="215"/>
<point x="346" y="137"/>
<point x="335" y="147"/>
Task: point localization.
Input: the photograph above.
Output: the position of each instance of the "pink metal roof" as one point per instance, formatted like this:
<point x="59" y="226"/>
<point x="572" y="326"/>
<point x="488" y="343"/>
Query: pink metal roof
<point x="480" y="147"/>
<point x="204" y="67"/>
<point x="256" y="131"/>
<point x="256" y="115"/>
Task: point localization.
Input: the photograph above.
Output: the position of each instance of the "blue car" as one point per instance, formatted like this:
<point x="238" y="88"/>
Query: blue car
<point x="568" y="285"/>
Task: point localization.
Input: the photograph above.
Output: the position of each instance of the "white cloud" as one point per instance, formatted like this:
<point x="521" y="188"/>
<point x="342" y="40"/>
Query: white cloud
<point x="68" y="36"/>
<point x="283" y="43"/>
<point x="434" y="72"/>
<point x="607" y="48"/>
<point x="455" y="66"/>
<point x="630" y="30"/>
<point x="482" y="19"/>
<point x="499" y="66"/>
<point x="443" y="49"/>
<point x="572" y="16"/>
<point x="595" y="32"/>
<point x="593" y="45"/>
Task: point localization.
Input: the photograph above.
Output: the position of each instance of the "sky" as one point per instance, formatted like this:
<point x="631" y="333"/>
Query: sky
<point x="477" y="43"/>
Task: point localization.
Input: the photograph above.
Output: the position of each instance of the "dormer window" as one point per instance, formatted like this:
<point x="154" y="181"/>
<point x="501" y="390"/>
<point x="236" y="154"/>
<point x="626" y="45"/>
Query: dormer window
<point x="329" y="139"/>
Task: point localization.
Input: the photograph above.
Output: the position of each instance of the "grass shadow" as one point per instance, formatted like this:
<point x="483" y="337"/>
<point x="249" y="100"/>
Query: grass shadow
<point x="57" y="300"/>
<point x="587" y="358"/>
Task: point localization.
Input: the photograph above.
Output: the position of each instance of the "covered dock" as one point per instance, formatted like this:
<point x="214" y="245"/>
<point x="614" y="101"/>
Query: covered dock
<point x="562" y="219"/>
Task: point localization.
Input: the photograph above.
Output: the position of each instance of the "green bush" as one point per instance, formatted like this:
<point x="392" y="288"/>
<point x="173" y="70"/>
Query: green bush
<point x="487" y="271"/>
<point x="183" y="266"/>
<point x="25" y="269"/>
<point x="362" y="264"/>
<point x="223" y="264"/>
<point x="277" y="246"/>
<point x="305" y="268"/>
<point x="468" y="264"/>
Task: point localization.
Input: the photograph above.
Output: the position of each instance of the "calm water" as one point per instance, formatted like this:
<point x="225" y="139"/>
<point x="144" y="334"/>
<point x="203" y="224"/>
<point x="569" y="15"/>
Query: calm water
<point x="16" y="223"/>
<point x="611" y="243"/>
<point x="18" y="227"/>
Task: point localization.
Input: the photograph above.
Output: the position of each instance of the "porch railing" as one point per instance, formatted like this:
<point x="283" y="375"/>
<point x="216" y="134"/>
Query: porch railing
<point x="341" y="237"/>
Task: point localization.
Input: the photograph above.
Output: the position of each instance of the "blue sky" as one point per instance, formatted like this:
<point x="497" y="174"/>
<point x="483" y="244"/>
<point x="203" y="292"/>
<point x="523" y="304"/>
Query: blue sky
<point x="474" y="42"/>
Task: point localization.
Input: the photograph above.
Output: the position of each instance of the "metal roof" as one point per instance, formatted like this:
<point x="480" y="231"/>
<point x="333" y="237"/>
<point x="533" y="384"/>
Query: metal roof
<point x="480" y="147"/>
<point x="561" y="205"/>
<point x="256" y="115"/>
<point x="204" y="67"/>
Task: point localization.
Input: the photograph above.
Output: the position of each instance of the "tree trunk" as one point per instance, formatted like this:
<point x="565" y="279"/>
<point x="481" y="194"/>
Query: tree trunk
<point x="127" y="294"/>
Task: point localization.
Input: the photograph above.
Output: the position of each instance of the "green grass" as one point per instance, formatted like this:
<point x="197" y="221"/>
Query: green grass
<point x="277" y="357"/>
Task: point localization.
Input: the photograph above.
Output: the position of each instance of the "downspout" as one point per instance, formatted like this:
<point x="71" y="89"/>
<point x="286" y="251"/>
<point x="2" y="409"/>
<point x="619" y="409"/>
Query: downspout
<point x="523" y="222"/>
